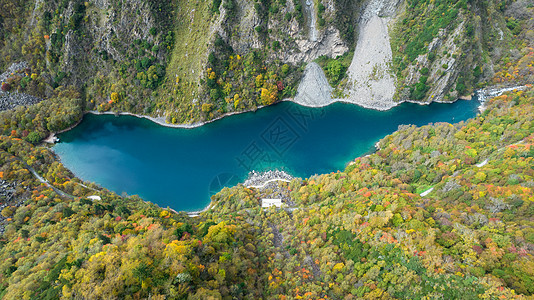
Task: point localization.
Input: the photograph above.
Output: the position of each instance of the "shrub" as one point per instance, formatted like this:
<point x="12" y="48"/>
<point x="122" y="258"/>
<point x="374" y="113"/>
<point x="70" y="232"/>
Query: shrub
<point x="212" y="59"/>
<point x="6" y="87"/>
<point x="215" y="6"/>
<point x="24" y="82"/>
<point x="321" y="8"/>
<point x="477" y="72"/>
<point x="288" y="16"/>
<point x="285" y="69"/>
<point x="419" y="91"/>
<point x="214" y="95"/>
<point x="207" y="107"/>
<point x="460" y="86"/>
<point x="335" y="70"/>
<point x="114" y="97"/>
<point x="513" y="25"/>
<point x="34" y="137"/>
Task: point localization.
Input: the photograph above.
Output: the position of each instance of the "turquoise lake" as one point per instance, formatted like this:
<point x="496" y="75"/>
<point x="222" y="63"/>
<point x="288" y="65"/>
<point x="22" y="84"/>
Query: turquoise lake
<point x="182" y="168"/>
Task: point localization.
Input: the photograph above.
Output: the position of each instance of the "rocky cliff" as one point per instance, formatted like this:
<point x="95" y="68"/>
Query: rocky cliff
<point x="194" y="61"/>
<point x="443" y="50"/>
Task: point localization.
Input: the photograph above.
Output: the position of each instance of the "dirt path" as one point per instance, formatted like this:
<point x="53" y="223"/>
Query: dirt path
<point x="278" y="240"/>
<point x="42" y="180"/>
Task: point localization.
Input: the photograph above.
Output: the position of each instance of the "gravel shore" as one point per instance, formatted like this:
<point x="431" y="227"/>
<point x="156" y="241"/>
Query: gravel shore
<point x="258" y="179"/>
<point x="161" y="120"/>
<point x="314" y="89"/>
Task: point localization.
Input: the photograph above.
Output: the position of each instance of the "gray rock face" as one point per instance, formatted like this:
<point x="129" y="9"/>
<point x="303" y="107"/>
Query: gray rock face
<point x="298" y="44"/>
<point x="328" y="43"/>
<point x="314" y="89"/>
<point x="381" y="8"/>
<point x="108" y="30"/>
<point x="244" y="36"/>
<point x="316" y="43"/>
<point x="443" y="79"/>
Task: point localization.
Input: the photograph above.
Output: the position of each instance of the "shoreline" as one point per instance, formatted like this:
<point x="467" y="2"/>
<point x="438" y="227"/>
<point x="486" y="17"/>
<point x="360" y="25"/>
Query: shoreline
<point x="196" y="213"/>
<point x="161" y="120"/>
<point x="52" y="138"/>
<point x="486" y="93"/>
<point x="482" y="94"/>
<point x="491" y="92"/>
<point x="379" y="108"/>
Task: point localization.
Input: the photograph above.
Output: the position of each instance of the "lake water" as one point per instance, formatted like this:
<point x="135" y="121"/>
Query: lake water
<point x="182" y="168"/>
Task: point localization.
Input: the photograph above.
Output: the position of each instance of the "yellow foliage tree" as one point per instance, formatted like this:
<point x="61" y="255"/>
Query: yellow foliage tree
<point x="259" y="80"/>
<point x="114" y="97"/>
<point x="269" y="95"/>
<point x="206" y="107"/>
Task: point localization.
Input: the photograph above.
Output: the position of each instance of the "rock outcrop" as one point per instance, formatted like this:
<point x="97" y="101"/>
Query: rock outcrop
<point x="299" y="43"/>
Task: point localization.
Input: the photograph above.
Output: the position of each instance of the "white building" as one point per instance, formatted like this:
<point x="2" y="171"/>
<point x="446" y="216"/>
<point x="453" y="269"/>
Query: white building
<point x="271" y="202"/>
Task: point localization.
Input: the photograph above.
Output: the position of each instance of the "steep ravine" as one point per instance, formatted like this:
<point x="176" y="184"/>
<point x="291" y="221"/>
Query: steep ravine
<point x="312" y="20"/>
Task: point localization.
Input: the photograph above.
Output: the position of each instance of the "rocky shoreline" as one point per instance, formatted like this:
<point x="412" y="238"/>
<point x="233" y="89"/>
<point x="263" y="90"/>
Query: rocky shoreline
<point x="270" y="185"/>
<point x="161" y="120"/>
<point x="261" y="178"/>
<point x="487" y="93"/>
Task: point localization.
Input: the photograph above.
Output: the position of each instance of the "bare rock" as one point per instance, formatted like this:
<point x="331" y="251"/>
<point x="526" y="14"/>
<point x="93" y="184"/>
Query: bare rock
<point x="314" y="89"/>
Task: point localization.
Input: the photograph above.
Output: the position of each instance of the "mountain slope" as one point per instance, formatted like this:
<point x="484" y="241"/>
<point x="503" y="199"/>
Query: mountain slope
<point x="192" y="62"/>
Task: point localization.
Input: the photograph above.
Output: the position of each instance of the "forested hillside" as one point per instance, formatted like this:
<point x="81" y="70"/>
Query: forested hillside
<point x="361" y="232"/>
<point x="446" y="49"/>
